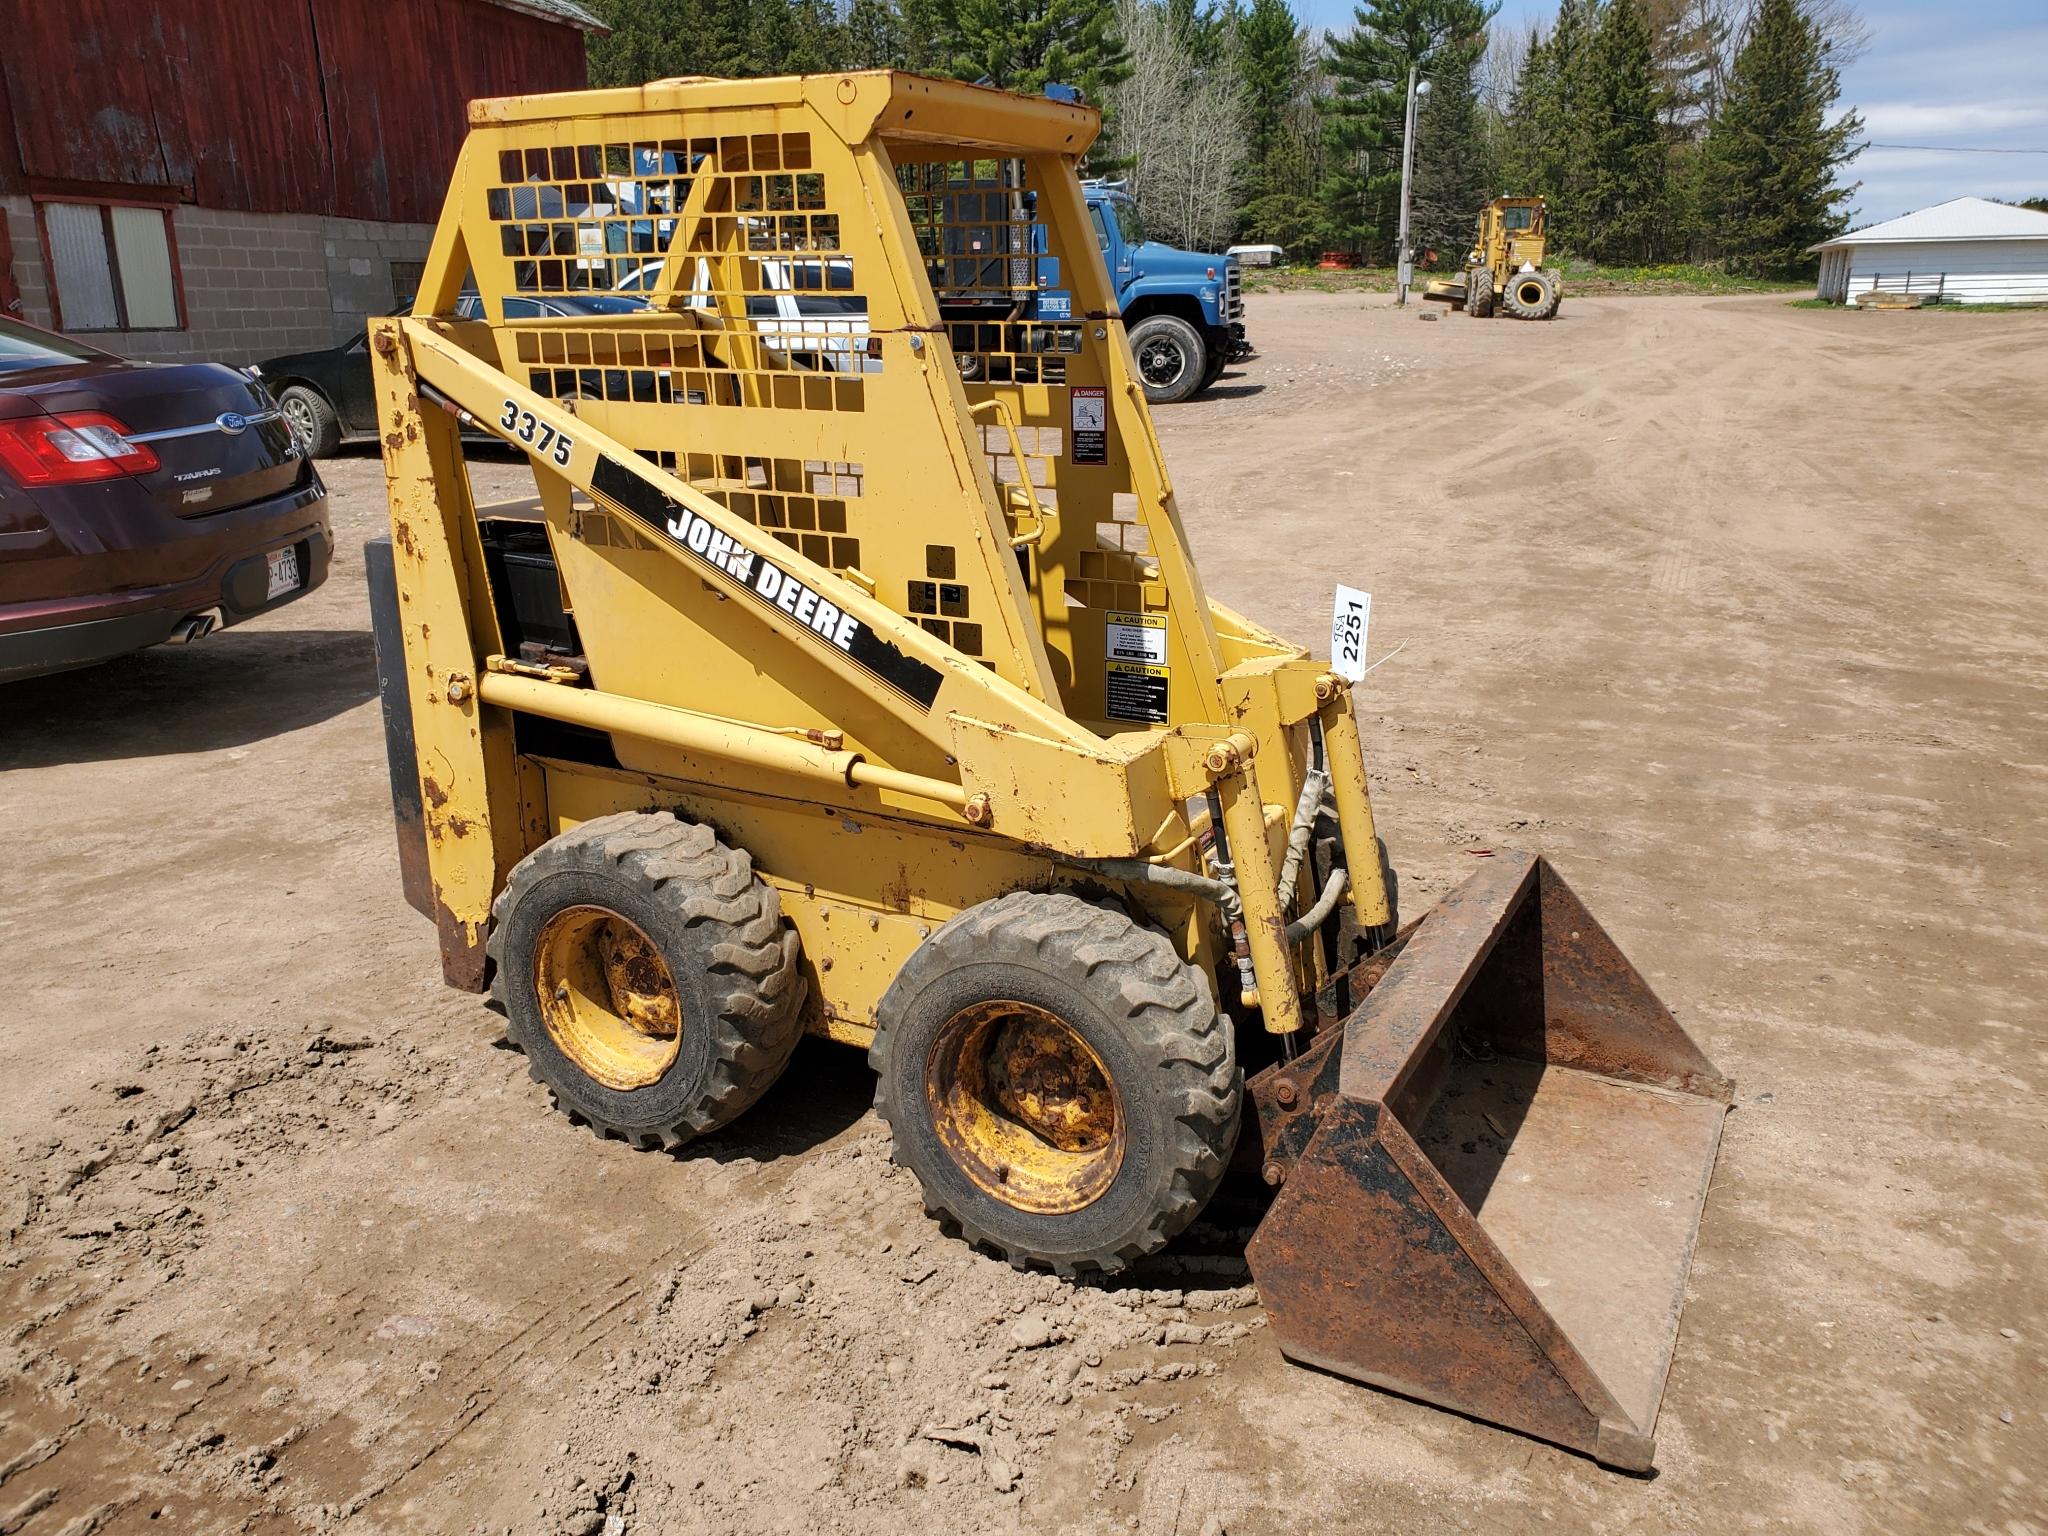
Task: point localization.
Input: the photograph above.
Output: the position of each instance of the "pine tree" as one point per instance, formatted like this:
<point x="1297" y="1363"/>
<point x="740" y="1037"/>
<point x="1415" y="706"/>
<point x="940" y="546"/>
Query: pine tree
<point x="1367" y="109"/>
<point x="1454" y="169"/>
<point x="655" y="39"/>
<point x="921" y="34"/>
<point x="875" y="35"/>
<point x="1024" y="45"/>
<point x="795" y="37"/>
<point x="1271" y="59"/>
<point x="1621" y="209"/>
<point x="1689" y="47"/>
<point x="1546" y="148"/>
<point x="1772" y="155"/>
<point x="1687" y="42"/>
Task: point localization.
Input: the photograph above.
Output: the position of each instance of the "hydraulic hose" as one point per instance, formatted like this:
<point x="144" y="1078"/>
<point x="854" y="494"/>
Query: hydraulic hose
<point x="1315" y="787"/>
<point x="1317" y="915"/>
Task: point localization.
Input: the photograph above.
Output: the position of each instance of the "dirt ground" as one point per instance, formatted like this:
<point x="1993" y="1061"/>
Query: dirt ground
<point x="1736" y="611"/>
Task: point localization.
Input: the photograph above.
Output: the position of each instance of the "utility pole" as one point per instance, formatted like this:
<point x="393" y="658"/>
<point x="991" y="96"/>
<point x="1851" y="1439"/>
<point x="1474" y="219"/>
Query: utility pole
<point x="1405" y="265"/>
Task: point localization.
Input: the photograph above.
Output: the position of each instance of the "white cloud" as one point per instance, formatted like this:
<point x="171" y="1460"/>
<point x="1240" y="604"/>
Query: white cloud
<point x="1921" y="122"/>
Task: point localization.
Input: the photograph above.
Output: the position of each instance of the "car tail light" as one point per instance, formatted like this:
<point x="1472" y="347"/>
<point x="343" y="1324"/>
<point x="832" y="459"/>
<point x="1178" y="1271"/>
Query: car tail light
<point x="72" y="448"/>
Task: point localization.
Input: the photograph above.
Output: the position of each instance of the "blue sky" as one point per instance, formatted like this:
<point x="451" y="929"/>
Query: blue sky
<point x="1965" y="73"/>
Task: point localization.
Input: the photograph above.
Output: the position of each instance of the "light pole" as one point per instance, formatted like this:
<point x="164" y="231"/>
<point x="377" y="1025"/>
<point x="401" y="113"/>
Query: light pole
<point x="1404" y="273"/>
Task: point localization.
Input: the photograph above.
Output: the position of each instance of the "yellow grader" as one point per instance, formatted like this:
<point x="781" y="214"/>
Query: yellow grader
<point x="849" y="673"/>
<point x="1504" y="269"/>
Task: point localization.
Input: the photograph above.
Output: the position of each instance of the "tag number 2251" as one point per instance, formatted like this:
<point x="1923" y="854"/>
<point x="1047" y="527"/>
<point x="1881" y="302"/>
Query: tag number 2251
<point x="536" y="434"/>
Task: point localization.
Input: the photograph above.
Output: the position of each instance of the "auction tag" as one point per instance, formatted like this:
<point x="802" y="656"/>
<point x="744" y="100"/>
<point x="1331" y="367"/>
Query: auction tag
<point x="1347" y="632"/>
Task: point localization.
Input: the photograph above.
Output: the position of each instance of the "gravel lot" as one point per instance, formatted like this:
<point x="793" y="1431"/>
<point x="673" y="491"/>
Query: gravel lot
<point x="1737" y="611"/>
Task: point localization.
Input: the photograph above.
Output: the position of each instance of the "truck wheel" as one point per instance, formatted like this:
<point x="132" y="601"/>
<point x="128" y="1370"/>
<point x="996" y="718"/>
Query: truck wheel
<point x="1219" y="359"/>
<point x="1171" y="358"/>
<point x="311" y="419"/>
<point x="1479" y="292"/>
<point x="646" y="972"/>
<point x="1532" y="295"/>
<point x="1059" y="1080"/>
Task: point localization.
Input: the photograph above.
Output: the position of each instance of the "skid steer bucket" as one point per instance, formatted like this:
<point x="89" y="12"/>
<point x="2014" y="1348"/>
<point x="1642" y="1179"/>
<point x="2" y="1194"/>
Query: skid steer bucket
<point x="1490" y="1178"/>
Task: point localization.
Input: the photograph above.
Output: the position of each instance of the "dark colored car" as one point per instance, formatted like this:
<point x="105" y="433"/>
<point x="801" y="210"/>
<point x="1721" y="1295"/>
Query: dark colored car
<point x="327" y="395"/>
<point x="141" y="502"/>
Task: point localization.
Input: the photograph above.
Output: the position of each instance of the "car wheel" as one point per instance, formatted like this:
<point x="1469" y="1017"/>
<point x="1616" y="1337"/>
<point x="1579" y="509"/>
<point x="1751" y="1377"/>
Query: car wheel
<point x="311" y="419"/>
<point x="1171" y="358"/>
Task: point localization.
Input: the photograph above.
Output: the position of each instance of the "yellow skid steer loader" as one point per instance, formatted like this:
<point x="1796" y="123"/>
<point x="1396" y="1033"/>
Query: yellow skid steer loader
<point x="848" y="673"/>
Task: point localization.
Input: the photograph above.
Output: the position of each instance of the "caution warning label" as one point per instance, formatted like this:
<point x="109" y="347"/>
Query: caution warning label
<point x="1134" y="691"/>
<point x="1135" y="637"/>
<point x="1134" y="650"/>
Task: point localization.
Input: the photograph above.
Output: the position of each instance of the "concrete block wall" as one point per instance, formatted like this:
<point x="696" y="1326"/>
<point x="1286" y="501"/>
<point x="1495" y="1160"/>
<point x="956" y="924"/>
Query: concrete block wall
<point x="256" y="284"/>
<point x="20" y="215"/>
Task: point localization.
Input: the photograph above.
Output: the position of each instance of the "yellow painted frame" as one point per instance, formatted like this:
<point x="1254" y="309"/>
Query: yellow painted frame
<point x="877" y="808"/>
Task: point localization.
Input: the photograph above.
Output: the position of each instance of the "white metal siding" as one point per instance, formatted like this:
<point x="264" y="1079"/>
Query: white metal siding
<point x="1834" y="274"/>
<point x="142" y="250"/>
<point x="85" y="278"/>
<point x="1962" y="271"/>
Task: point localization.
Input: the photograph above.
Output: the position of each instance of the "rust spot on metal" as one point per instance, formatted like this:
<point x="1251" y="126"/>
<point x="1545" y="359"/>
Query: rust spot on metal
<point x="1460" y="1220"/>
<point x="1024" y="1107"/>
<point x="393" y="442"/>
<point x="463" y="962"/>
<point x="431" y="788"/>
<point x="896" y="894"/>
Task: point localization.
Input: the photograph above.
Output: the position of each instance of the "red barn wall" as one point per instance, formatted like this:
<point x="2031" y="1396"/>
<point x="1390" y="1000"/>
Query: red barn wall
<point x="342" y="107"/>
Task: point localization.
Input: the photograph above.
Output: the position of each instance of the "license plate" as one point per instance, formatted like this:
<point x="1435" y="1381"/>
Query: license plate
<point x="284" y="572"/>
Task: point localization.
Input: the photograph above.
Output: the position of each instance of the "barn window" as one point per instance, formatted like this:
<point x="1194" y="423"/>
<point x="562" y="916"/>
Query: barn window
<point x="113" y="266"/>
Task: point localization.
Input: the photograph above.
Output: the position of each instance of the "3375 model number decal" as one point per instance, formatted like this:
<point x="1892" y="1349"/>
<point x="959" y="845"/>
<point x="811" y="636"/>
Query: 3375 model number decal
<point x="536" y="434"/>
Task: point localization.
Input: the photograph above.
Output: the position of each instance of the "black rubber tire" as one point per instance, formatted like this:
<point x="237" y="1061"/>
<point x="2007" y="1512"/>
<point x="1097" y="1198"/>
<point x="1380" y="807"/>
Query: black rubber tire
<point x="1219" y="359"/>
<point x="1150" y="1018"/>
<point x="719" y="928"/>
<point x="1479" y="292"/>
<point x="1163" y="331"/>
<point x="311" y="419"/>
<point x="1522" y="305"/>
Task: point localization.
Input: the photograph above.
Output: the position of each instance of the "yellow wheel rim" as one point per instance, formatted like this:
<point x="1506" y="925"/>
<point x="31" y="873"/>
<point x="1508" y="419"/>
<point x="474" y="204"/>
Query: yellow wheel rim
<point x="1532" y="295"/>
<point x="1025" y="1107"/>
<point x="606" y="997"/>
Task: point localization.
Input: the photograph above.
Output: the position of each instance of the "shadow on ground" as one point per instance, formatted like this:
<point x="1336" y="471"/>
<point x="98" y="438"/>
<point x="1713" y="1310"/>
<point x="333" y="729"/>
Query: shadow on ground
<point x="231" y="689"/>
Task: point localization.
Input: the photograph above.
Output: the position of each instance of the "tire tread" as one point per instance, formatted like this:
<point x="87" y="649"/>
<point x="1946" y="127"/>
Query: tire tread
<point x="758" y="1019"/>
<point x="1165" y="1004"/>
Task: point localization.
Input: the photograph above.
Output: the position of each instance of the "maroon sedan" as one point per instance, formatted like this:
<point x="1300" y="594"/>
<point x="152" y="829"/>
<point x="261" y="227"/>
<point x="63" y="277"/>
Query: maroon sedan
<point x="141" y="502"/>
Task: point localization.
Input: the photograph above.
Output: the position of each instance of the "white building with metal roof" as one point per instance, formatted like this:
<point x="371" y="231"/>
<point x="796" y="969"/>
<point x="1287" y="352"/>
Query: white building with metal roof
<point x="1968" y="250"/>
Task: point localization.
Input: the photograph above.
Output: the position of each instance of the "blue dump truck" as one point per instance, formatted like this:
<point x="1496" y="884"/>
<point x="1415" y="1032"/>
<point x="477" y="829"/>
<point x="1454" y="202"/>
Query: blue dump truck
<point x="1184" y="311"/>
<point x="986" y="255"/>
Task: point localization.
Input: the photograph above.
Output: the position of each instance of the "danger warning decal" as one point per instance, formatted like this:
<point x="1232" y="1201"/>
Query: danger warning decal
<point x="766" y="582"/>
